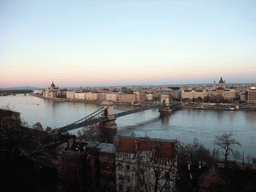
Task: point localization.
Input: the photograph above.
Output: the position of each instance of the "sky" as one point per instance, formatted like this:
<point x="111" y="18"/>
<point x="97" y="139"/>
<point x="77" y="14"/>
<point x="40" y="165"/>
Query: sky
<point x="118" y="43"/>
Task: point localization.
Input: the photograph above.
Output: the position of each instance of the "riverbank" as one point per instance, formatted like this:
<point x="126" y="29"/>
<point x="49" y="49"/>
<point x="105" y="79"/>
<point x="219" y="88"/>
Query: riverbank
<point x="184" y="105"/>
<point x="142" y="104"/>
<point x="14" y="92"/>
<point x="218" y="106"/>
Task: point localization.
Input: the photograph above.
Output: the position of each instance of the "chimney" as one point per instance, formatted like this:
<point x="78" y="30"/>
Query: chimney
<point x="71" y="142"/>
<point x="136" y="145"/>
<point x="116" y="142"/>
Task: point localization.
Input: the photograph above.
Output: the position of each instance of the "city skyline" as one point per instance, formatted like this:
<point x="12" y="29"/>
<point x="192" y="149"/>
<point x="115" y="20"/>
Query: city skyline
<point x="115" y="43"/>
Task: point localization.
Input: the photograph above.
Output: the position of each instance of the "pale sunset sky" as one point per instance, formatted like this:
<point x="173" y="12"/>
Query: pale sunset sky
<point x="115" y="42"/>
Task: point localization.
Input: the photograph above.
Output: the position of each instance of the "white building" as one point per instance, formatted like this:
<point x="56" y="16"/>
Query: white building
<point x="143" y="164"/>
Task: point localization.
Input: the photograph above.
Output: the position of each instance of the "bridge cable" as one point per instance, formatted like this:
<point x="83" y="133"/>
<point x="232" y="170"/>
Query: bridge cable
<point x="84" y="117"/>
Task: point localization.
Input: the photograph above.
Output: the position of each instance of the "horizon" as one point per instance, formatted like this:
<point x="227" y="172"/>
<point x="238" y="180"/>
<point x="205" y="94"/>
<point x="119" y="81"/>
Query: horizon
<point x="131" y="85"/>
<point x="114" y="43"/>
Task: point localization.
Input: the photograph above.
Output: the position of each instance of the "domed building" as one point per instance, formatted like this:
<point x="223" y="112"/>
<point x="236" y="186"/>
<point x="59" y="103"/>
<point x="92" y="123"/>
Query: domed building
<point x="220" y="93"/>
<point x="51" y="91"/>
<point x="53" y="85"/>
<point x="217" y="93"/>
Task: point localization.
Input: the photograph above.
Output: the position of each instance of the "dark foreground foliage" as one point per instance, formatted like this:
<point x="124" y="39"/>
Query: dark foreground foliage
<point x="18" y="172"/>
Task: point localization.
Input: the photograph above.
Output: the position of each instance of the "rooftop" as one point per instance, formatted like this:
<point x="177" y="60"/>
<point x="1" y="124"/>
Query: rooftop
<point x="163" y="148"/>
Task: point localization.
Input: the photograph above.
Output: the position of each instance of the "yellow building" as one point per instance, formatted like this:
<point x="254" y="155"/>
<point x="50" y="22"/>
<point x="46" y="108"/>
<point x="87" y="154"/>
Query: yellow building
<point x="128" y="98"/>
<point x="111" y="96"/>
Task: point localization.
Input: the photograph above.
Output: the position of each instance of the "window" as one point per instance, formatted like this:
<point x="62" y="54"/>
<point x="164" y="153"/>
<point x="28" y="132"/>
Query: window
<point x="128" y="178"/>
<point x="121" y="188"/>
<point x="128" y="167"/>
<point x="120" y="167"/>
<point x="167" y="175"/>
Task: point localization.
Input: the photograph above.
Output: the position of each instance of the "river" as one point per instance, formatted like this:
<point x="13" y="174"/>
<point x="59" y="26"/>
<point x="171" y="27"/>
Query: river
<point x="184" y="125"/>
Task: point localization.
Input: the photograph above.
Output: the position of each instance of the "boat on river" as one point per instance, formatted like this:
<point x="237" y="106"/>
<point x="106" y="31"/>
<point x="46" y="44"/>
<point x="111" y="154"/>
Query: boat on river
<point x="201" y="107"/>
<point x="230" y="108"/>
<point x="136" y="104"/>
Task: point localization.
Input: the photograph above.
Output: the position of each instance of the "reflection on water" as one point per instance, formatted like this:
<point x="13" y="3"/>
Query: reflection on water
<point x="164" y="120"/>
<point x="251" y="117"/>
<point x="184" y="125"/>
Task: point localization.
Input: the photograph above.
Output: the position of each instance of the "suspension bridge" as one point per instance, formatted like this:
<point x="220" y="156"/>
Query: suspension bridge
<point x="106" y="113"/>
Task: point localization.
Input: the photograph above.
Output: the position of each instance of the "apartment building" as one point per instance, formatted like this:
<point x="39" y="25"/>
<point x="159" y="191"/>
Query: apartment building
<point x="144" y="164"/>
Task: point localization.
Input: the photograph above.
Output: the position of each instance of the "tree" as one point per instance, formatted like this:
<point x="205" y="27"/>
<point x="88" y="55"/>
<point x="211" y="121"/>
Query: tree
<point x="249" y="159"/>
<point x="38" y="126"/>
<point x="236" y="155"/>
<point x="196" y="152"/>
<point x="48" y="129"/>
<point x="91" y="132"/>
<point x="226" y="142"/>
<point x="23" y="122"/>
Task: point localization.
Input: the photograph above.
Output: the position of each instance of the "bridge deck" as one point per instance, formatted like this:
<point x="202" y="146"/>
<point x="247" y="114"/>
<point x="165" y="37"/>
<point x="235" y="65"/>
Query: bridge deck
<point x="94" y="117"/>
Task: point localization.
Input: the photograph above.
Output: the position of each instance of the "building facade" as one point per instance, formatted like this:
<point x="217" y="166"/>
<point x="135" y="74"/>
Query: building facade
<point x="128" y="98"/>
<point x="251" y="95"/>
<point x="9" y="121"/>
<point x="51" y="91"/>
<point x="88" y="165"/>
<point x="112" y="97"/>
<point x="144" y="164"/>
<point x="216" y="93"/>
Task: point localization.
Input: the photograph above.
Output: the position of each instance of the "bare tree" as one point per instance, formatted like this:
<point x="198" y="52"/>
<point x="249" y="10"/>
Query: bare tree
<point x="236" y="155"/>
<point x="226" y="143"/>
<point x="91" y="132"/>
<point x="216" y="154"/>
<point x="38" y="126"/>
<point x="249" y="159"/>
<point x="196" y="152"/>
<point x="48" y="129"/>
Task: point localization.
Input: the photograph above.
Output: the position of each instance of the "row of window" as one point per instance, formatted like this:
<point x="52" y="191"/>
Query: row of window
<point x="121" y="177"/>
<point x="128" y="189"/>
<point x="163" y="161"/>
<point x="120" y="167"/>
<point x="126" y="155"/>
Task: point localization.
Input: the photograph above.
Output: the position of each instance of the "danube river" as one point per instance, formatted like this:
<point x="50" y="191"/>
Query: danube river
<point x="184" y="125"/>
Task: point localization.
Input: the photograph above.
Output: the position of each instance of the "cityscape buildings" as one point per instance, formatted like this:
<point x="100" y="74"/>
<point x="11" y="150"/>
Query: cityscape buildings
<point x="135" y="95"/>
<point x="215" y="93"/>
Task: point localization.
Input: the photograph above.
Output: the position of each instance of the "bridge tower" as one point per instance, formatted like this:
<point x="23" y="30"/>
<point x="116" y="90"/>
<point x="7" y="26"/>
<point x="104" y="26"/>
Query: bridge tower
<point x="166" y="109"/>
<point x="109" y="126"/>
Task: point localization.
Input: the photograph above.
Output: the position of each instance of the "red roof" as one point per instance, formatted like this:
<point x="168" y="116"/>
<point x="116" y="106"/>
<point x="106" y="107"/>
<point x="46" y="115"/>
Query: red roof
<point x="162" y="148"/>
